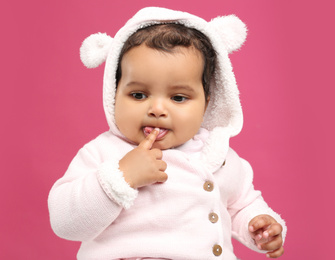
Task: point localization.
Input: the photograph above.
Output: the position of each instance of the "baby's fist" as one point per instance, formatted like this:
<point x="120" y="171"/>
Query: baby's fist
<point x="267" y="234"/>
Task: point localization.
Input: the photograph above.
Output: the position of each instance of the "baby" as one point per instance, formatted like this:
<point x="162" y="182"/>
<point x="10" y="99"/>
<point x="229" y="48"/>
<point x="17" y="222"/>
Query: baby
<point x="163" y="182"/>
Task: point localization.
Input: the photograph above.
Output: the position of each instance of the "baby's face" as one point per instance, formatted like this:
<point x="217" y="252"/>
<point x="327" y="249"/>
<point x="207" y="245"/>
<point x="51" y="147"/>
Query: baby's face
<point x="159" y="89"/>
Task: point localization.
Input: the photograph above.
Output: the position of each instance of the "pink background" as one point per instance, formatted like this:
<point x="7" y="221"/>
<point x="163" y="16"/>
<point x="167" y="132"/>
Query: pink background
<point x="51" y="106"/>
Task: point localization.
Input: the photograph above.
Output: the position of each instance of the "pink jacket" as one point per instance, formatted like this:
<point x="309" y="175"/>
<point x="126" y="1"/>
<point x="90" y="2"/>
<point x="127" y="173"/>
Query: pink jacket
<point x="193" y="215"/>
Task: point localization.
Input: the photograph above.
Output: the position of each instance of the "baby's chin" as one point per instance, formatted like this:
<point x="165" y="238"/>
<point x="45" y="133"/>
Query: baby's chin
<point x="165" y="145"/>
<point x="158" y="145"/>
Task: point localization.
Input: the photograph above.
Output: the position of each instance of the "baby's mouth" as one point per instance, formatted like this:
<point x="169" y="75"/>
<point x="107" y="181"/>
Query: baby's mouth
<point x="162" y="132"/>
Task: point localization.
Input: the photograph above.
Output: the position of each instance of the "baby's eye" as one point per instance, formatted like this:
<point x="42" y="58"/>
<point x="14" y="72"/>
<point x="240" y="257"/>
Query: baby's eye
<point x="179" y="99"/>
<point x="138" y="95"/>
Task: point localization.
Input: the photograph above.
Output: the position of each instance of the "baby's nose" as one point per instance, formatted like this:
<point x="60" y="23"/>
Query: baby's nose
<point x="157" y="109"/>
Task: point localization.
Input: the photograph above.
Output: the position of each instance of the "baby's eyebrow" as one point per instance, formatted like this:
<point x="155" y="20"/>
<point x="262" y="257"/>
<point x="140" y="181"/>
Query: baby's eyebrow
<point x="182" y="87"/>
<point x="136" y="83"/>
<point x="173" y="87"/>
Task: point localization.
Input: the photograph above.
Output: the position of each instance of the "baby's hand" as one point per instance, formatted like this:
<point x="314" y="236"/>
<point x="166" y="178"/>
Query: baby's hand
<point x="267" y="233"/>
<point x="144" y="166"/>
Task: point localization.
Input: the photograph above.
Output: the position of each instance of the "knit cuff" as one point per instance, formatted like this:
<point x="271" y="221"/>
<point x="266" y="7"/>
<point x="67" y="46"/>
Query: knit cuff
<point x="112" y="181"/>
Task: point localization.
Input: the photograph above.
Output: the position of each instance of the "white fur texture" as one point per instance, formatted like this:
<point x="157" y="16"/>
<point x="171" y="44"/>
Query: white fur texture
<point x="232" y="31"/>
<point x="94" y="49"/>
<point x="112" y="181"/>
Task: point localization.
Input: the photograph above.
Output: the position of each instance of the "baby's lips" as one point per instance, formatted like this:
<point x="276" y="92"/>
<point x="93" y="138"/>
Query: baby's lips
<point x="162" y="132"/>
<point x="147" y="130"/>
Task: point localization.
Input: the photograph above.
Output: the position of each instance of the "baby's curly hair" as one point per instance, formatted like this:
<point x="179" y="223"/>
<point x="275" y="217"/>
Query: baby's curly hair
<point x="165" y="37"/>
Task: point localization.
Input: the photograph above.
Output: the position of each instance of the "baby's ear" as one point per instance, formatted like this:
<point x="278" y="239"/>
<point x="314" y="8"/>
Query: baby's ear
<point x="94" y="49"/>
<point x="232" y="31"/>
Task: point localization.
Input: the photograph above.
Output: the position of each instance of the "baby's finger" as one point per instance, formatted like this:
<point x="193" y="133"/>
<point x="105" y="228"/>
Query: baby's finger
<point x="157" y="153"/>
<point x="149" y="140"/>
<point x="260" y="222"/>
<point x="257" y="235"/>
<point x="273" y="230"/>
<point x="161" y="165"/>
<point x="273" y="244"/>
<point x="162" y="177"/>
<point x="276" y="253"/>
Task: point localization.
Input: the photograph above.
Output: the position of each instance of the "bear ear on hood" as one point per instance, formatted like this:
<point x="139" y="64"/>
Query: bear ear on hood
<point x="94" y="49"/>
<point x="232" y="31"/>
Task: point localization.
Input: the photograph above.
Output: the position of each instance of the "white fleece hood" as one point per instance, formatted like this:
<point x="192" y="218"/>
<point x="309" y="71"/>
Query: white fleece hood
<point x="226" y="34"/>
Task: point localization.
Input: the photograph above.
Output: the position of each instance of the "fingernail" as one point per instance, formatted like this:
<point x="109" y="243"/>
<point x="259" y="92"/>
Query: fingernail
<point x="266" y="234"/>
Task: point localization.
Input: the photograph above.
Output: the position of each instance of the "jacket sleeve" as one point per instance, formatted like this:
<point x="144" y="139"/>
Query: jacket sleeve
<point x="247" y="203"/>
<point x="89" y="197"/>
